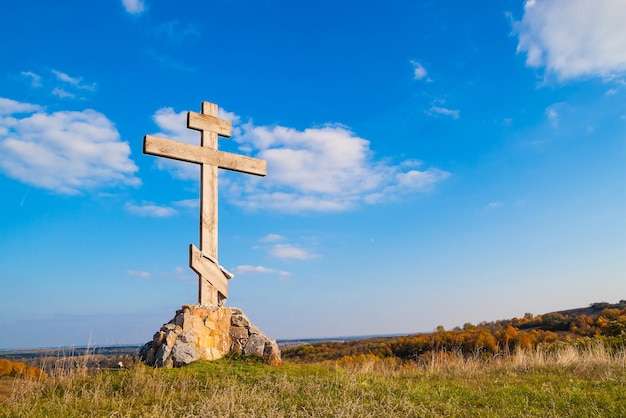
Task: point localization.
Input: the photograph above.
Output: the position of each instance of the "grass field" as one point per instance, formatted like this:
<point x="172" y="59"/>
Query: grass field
<point x="568" y="382"/>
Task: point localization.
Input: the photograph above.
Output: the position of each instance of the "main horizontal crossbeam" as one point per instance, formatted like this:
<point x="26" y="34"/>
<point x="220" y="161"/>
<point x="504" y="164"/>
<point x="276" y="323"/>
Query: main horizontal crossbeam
<point x="161" y="147"/>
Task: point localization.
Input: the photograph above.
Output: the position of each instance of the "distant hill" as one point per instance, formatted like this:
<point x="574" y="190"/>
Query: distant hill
<point x="602" y="321"/>
<point x="594" y="310"/>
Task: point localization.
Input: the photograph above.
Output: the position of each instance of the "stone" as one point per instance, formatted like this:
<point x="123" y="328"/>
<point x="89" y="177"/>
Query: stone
<point x="188" y="338"/>
<point x="162" y="356"/>
<point x="237" y="333"/>
<point x="239" y="320"/>
<point x="236" y="311"/>
<point x="271" y="353"/>
<point x="199" y="332"/>
<point x="158" y="338"/>
<point x="183" y="353"/>
<point x="169" y="327"/>
<point x="147" y="352"/>
<point x="255" y="346"/>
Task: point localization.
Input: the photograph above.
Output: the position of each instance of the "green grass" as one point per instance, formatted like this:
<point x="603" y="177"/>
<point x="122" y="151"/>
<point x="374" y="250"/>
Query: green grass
<point x="565" y="384"/>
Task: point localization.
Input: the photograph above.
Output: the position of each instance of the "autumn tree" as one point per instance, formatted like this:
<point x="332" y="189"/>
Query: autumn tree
<point x="5" y="367"/>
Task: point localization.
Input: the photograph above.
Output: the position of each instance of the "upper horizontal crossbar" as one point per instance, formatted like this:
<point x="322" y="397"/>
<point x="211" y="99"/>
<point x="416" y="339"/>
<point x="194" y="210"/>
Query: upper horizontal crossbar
<point x="201" y="122"/>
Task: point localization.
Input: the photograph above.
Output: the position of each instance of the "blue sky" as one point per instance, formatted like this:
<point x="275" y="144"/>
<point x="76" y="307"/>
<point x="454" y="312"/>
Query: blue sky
<point x="428" y="163"/>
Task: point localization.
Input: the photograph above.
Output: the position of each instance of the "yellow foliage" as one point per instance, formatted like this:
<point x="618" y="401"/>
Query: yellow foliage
<point x="5" y="367"/>
<point x="18" y="369"/>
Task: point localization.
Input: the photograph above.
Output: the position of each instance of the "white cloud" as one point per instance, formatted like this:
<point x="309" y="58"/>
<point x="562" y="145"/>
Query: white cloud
<point x="272" y="238"/>
<point x="317" y="169"/>
<point x="419" y="72"/>
<point x="419" y="180"/>
<point x="290" y="251"/>
<point x="137" y="273"/>
<point x="59" y="92"/>
<point x="66" y="152"/>
<point x="574" y="38"/>
<point x="35" y="79"/>
<point x="62" y="84"/>
<point x="149" y="209"/>
<point x="245" y="269"/>
<point x="134" y="6"/>
<point x="174" y="126"/>
<point x="188" y="203"/>
<point x="229" y="116"/>
<point x="494" y="205"/>
<point x="553" y="113"/>
<point x="66" y="78"/>
<point x="76" y="82"/>
<point x="9" y="107"/>
<point x="438" y="110"/>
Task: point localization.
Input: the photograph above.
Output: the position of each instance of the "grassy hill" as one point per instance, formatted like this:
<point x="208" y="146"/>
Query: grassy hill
<point x="569" y="382"/>
<point x="433" y="375"/>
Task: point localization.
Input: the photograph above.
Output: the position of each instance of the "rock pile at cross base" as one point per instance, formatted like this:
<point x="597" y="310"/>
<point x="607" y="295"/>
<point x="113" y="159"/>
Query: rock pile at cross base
<point x="207" y="333"/>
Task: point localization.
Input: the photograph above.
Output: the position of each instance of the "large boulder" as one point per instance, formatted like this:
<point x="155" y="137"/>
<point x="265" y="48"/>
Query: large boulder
<point x="207" y="333"/>
<point x="248" y="340"/>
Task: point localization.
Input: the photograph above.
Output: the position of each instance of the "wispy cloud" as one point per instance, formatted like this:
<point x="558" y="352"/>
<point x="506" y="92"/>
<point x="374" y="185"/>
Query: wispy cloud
<point x="419" y="72"/>
<point x="184" y="274"/>
<point x="61" y="84"/>
<point x="167" y="62"/>
<point x="245" y="269"/>
<point x="35" y="79"/>
<point x="134" y="7"/>
<point x="574" y="38"/>
<point x="553" y="113"/>
<point x="177" y="32"/>
<point x="137" y="273"/>
<point x="59" y="92"/>
<point x="149" y="209"/>
<point x="318" y="169"/>
<point x="272" y="238"/>
<point x="494" y="205"/>
<point x="443" y="111"/>
<point x="291" y="252"/>
<point x="66" y="151"/>
<point x="188" y="203"/>
<point x="76" y="82"/>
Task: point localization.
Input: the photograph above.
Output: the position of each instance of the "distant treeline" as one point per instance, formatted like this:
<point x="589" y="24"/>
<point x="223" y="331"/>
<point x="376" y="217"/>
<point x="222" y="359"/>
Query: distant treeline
<point x="599" y="321"/>
<point x="19" y="369"/>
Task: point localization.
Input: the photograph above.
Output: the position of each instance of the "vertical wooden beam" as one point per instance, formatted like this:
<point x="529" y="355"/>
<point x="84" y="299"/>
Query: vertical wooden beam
<point x="208" y="208"/>
<point x="213" y="285"/>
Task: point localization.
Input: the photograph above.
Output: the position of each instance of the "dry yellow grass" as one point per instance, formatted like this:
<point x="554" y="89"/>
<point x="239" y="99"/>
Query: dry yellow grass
<point x="560" y="381"/>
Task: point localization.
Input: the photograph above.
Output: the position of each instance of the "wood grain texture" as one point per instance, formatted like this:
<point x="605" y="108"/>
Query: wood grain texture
<point x="213" y="286"/>
<point x="208" y="270"/>
<point x="210" y="123"/>
<point x="208" y="210"/>
<point x="181" y="151"/>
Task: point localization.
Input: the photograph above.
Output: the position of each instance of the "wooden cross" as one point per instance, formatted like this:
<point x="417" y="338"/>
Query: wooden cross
<point x="212" y="278"/>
